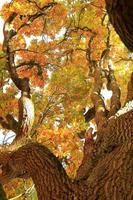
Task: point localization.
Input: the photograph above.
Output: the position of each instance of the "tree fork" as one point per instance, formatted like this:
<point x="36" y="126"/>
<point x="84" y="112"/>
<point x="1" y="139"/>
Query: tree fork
<point x="107" y="179"/>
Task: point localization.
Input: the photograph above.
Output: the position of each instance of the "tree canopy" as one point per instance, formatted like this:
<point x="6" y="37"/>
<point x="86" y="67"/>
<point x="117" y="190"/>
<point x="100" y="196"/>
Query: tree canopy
<point x="66" y="56"/>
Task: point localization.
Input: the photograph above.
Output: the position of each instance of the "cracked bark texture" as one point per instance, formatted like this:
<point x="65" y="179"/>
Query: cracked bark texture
<point x="121" y="17"/>
<point x="106" y="170"/>
<point x="110" y="178"/>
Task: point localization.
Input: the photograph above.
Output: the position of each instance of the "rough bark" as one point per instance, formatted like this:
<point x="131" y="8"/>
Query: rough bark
<point x="106" y="171"/>
<point x="88" y="154"/>
<point x="109" y="178"/>
<point x="121" y="17"/>
<point x="100" y="110"/>
<point x="36" y="161"/>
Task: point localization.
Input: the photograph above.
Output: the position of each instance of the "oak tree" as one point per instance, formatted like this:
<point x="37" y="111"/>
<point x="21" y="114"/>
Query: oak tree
<point x="66" y="92"/>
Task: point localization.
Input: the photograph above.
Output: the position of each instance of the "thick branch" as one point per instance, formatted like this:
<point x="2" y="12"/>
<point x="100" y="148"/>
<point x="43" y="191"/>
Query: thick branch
<point x="115" y="104"/>
<point x="26" y="117"/>
<point x="88" y="155"/>
<point x="21" y="84"/>
<point x="26" y="107"/>
<point x="107" y="180"/>
<point x="50" y="179"/>
<point x="98" y="101"/>
<point x="23" y="126"/>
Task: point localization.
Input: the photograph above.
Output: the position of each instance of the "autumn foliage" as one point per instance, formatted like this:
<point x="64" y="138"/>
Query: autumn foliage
<point x="56" y="45"/>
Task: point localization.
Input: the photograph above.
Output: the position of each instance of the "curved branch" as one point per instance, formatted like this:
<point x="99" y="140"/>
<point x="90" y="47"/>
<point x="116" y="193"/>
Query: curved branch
<point x="21" y="84"/>
<point x="115" y="104"/>
<point x="108" y="178"/>
<point x="26" y="107"/>
<point x="100" y="110"/>
<point x="46" y="167"/>
<point x="90" y="114"/>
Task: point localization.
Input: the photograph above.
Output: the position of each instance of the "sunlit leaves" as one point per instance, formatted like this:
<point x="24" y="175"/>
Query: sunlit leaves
<point x="51" y="47"/>
<point x="19" y="42"/>
<point x="56" y="19"/>
<point x="60" y="141"/>
<point x="23" y="7"/>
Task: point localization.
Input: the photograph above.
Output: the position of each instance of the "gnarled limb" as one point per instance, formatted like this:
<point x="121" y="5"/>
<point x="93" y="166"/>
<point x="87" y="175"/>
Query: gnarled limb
<point x="89" y="157"/>
<point x="50" y="179"/>
<point x="26" y="107"/>
<point x="107" y="180"/>
<point x="21" y="84"/>
<point x="115" y="103"/>
<point x="100" y="110"/>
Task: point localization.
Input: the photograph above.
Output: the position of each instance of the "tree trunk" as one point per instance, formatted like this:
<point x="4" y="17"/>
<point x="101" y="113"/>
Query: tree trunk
<point x="121" y="16"/>
<point x="106" y="172"/>
<point x="110" y="178"/>
<point x="50" y="179"/>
